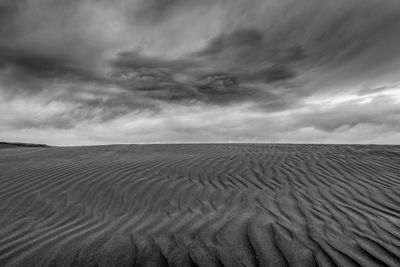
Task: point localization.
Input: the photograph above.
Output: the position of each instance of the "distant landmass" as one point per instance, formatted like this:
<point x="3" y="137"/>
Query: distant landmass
<point x="18" y="144"/>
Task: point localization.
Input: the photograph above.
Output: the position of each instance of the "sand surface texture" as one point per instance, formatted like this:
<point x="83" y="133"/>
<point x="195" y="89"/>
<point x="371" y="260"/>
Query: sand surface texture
<point x="200" y="205"/>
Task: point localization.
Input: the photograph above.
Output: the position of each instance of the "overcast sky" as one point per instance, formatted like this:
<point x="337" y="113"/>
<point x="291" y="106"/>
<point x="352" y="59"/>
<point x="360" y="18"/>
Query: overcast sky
<point x="146" y="71"/>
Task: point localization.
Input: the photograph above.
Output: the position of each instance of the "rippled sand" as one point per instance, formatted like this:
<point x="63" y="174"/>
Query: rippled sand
<point x="200" y="205"/>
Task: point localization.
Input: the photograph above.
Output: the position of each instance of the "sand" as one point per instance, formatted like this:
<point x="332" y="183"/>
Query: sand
<point x="200" y="205"/>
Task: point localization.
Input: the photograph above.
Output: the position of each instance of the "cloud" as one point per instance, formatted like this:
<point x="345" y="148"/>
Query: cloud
<point x="162" y="79"/>
<point x="240" y="38"/>
<point x="379" y="110"/>
<point x="155" y="11"/>
<point x="91" y="66"/>
<point x="368" y="89"/>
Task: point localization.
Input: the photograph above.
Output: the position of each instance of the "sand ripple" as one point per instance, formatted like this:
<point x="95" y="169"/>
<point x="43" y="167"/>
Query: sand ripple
<point x="200" y="205"/>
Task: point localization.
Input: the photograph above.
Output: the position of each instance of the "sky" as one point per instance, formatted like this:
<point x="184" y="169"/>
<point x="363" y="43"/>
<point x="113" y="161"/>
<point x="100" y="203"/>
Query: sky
<point x="90" y="72"/>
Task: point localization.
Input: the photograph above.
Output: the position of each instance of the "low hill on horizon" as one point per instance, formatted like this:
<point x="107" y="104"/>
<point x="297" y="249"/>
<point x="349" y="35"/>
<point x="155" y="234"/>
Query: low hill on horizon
<point x="20" y="144"/>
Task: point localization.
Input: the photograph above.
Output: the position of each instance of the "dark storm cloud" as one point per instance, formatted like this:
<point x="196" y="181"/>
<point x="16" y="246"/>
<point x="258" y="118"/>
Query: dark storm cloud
<point x="210" y="75"/>
<point x="9" y="10"/>
<point x="43" y="43"/>
<point x="318" y="35"/>
<point x="245" y="54"/>
<point x="302" y="36"/>
<point x="217" y="84"/>
<point x="46" y="34"/>
<point x="247" y="47"/>
<point x="214" y="88"/>
<point x="355" y="29"/>
<point x="156" y="11"/>
<point x="133" y="60"/>
<point x="42" y="65"/>
<point x="355" y="38"/>
<point x="98" y="61"/>
<point x="271" y="74"/>
<point x="159" y="79"/>
<point x="241" y="38"/>
<point x="151" y="77"/>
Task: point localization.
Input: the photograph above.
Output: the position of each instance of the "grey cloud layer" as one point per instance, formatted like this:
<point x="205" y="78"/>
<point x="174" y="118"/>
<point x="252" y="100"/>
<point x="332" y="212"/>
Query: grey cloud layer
<point x="149" y="55"/>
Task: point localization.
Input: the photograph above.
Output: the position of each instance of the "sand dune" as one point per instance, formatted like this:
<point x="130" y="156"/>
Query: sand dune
<point x="200" y="205"/>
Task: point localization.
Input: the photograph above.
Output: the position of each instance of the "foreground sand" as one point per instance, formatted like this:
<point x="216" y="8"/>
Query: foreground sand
<point x="200" y="205"/>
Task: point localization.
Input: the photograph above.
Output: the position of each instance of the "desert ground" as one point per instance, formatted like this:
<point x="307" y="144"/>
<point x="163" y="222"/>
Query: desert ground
<point x="200" y="205"/>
